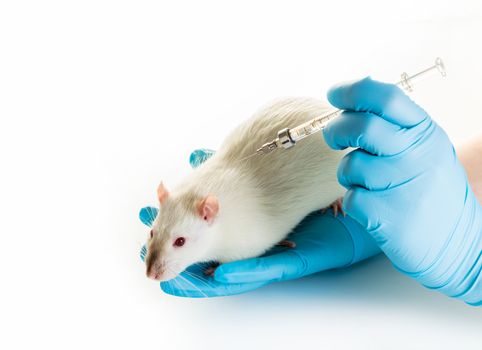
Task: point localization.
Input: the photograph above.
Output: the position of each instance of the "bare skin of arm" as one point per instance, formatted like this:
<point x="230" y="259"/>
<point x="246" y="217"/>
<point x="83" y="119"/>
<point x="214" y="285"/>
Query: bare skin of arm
<point x="470" y="154"/>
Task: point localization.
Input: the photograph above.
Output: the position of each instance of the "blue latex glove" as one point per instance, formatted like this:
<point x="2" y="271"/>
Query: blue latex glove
<point x="323" y="242"/>
<point x="407" y="188"/>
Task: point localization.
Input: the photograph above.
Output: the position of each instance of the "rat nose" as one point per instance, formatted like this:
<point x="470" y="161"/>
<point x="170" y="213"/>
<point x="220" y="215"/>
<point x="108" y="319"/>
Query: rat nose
<point x="155" y="274"/>
<point x="155" y="268"/>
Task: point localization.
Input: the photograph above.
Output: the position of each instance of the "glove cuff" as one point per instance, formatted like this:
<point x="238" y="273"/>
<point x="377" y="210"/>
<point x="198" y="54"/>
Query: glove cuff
<point x="458" y="271"/>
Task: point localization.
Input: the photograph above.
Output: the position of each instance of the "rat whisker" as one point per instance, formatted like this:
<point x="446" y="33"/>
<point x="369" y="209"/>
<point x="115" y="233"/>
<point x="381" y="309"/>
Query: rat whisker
<point x="194" y="273"/>
<point x="173" y="281"/>
<point x="177" y="286"/>
<point x="182" y="289"/>
<point x="189" y="283"/>
<point x="169" y="284"/>
<point x="151" y="215"/>
<point x="193" y="285"/>
<point x="201" y="279"/>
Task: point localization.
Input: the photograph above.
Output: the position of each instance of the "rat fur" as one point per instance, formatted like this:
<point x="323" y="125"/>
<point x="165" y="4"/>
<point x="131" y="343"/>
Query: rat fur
<point x="233" y="207"/>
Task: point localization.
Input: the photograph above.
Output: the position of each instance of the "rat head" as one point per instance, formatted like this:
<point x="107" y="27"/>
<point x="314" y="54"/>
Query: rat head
<point x="181" y="234"/>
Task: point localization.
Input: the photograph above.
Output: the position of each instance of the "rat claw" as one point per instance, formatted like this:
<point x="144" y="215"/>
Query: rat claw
<point x="210" y="270"/>
<point x="336" y="207"/>
<point x="286" y="243"/>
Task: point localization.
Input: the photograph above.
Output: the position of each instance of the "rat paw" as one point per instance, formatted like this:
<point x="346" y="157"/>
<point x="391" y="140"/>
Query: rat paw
<point x="336" y="206"/>
<point x="286" y="243"/>
<point x="210" y="270"/>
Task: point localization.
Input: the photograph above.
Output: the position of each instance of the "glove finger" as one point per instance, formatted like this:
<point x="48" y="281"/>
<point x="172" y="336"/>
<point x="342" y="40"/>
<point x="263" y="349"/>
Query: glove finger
<point x="370" y="132"/>
<point x="359" y="201"/>
<point x="277" y="267"/>
<point x="385" y="100"/>
<point x="199" y="156"/>
<point x="361" y="169"/>
<point x="147" y="215"/>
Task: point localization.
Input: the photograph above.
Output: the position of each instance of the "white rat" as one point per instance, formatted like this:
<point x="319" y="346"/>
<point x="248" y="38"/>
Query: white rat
<point x="233" y="207"/>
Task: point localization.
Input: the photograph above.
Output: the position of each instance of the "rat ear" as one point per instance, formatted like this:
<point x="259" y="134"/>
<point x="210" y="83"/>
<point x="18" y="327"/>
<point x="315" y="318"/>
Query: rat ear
<point x="208" y="208"/>
<point x="162" y="193"/>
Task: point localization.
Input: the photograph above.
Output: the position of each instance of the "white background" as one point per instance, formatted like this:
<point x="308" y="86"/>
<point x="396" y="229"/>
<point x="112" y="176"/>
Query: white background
<point x="100" y="100"/>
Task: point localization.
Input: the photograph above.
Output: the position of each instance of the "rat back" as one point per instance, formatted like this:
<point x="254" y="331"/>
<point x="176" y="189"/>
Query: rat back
<point x="263" y="197"/>
<point x="290" y="183"/>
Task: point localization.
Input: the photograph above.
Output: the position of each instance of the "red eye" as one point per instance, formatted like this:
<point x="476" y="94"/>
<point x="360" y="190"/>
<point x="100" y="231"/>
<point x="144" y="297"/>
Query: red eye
<point x="179" y="242"/>
<point x="152" y="233"/>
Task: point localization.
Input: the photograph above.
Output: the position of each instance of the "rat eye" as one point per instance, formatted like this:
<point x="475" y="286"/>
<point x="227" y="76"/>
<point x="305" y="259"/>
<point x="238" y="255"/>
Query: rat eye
<point x="152" y="233"/>
<point x="179" y="242"/>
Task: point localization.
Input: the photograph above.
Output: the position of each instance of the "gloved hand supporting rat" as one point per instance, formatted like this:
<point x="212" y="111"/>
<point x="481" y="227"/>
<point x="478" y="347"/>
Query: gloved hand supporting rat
<point x="323" y="241"/>
<point x="236" y="207"/>
<point x="391" y="130"/>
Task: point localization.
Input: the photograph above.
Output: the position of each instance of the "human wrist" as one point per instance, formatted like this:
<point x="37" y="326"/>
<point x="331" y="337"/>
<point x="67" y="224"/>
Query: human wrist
<point x="458" y="270"/>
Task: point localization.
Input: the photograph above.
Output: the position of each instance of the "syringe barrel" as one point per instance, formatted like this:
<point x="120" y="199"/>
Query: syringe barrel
<point x="310" y="127"/>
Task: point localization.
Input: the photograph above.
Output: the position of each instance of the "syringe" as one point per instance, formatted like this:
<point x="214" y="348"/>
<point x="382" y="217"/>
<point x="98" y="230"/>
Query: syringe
<point x="287" y="138"/>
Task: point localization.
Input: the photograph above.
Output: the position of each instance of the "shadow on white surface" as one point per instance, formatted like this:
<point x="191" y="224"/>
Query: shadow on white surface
<point x="370" y="284"/>
<point x="370" y="304"/>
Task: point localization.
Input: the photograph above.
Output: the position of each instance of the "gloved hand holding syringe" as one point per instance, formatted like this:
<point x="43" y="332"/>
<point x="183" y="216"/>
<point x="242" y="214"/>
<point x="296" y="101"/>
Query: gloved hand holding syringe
<point x="287" y="138"/>
<point x="408" y="195"/>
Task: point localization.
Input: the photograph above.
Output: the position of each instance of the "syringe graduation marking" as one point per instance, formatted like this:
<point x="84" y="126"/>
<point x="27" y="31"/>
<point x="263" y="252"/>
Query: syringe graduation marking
<point x="313" y="126"/>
